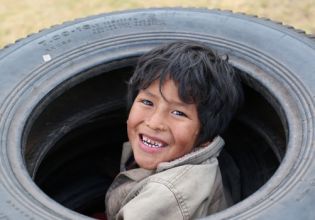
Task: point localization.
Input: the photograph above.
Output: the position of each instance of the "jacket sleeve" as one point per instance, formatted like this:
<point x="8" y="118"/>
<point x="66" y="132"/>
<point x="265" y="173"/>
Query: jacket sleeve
<point x="155" y="201"/>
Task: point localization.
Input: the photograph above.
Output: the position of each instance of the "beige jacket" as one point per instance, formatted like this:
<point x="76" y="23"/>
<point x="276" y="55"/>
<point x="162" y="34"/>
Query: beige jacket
<point x="186" y="188"/>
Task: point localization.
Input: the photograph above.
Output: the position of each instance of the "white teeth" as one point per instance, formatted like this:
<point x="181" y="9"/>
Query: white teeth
<point x="150" y="143"/>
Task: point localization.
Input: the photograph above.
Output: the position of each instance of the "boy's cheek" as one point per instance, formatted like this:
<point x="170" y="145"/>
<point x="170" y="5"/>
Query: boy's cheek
<point x="136" y="116"/>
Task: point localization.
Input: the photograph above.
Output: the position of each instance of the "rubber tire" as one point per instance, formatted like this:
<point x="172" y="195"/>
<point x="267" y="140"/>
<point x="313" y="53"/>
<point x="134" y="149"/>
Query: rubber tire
<point x="278" y="62"/>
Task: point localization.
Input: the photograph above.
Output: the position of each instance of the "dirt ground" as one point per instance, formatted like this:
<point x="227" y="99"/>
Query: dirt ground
<point x="20" y="18"/>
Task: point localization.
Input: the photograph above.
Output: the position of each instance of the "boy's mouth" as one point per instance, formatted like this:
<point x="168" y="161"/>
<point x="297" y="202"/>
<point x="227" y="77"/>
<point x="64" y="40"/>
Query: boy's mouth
<point x="150" y="142"/>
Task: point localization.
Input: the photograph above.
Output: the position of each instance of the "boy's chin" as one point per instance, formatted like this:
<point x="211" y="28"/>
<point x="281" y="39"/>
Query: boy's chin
<point x="148" y="165"/>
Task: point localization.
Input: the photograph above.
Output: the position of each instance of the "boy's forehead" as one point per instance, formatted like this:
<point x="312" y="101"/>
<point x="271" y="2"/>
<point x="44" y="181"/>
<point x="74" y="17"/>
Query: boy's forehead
<point x="168" y="90"/>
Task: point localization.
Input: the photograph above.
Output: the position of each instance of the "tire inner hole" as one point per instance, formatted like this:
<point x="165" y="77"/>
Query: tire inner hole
<point x="74" y="139"/>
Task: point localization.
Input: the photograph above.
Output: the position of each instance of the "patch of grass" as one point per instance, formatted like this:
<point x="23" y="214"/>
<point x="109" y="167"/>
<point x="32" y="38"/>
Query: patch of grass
<point x="19" y="18"/>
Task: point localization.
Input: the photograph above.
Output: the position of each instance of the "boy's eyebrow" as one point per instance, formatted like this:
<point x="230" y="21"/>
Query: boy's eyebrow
<point x="175" y="102"/>
<point x="148" y="93"/>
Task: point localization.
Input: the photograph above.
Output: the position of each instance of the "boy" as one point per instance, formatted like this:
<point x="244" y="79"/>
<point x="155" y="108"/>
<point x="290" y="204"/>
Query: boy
<point x="183" y="97"/>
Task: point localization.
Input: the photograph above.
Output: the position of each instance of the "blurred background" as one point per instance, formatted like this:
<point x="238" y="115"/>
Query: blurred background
<point x="22" y="17"/>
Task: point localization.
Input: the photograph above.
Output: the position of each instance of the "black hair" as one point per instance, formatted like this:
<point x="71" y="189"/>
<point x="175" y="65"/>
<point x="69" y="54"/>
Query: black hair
<point x="202" y="77"/>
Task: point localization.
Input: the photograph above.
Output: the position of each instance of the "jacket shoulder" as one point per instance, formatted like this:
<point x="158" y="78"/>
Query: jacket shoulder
<point x="193" y="186"/>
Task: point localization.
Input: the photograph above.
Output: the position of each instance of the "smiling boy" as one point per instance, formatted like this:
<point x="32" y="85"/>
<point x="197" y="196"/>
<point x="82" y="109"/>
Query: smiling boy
<point x="161" y="128"/>
<point x="182" y="96"/>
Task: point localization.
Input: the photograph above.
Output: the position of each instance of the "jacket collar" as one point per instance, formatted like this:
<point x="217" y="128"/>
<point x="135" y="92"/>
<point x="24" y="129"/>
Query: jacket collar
<point x="197" y="156"/>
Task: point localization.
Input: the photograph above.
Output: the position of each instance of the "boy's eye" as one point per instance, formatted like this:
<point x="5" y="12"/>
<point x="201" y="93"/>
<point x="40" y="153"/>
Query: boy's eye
<point x="179" y="113"/>
<point x="146" y="102"/>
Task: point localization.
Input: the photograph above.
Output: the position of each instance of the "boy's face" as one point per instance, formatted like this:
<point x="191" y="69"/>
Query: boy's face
<point x="160" y="128"/>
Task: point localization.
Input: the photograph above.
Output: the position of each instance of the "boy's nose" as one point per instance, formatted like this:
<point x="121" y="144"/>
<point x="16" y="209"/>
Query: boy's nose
<point x="156" y="121"/>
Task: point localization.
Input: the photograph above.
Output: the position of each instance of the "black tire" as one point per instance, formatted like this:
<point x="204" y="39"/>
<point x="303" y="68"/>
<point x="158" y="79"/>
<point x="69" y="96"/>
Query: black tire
<point x="62" y="93"/>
